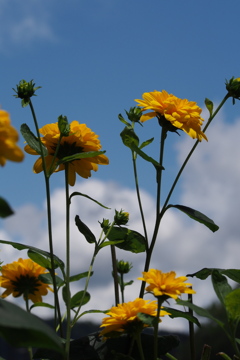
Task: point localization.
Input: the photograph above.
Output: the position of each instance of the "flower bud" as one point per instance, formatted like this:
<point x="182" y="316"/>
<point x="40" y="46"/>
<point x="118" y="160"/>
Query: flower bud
<point x="25" y="90"/>
<point x="134" y="114"/>
<point x="63" y="125"/>
<point x="121" y="217"/>
<point x="233" y="88"/>
<point x="123" y="267"/>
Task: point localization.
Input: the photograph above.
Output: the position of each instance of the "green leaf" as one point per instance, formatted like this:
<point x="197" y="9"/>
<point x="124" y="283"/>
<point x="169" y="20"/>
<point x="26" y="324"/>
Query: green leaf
<point x="146" y="143"/>
<point x="202" y="274"/>
<point x="42" y="304"/>
<point x="107" y="243"/>
<point x="220" y="285"/>
<point x="5" y="209"/>
<point x="40" y="259"/>
<point x="200" y="311"/>
<point x="19" y="246"/>
<point x="79" y="276"/>
<point x="198" y="216"/>
<point x="80" y="194"/>
<point x="83" y="155"/>
<point x="32" y="140"/>
<point x="147" y="319"/>
<point x="232" y="304"/>
<point x="146" y="157"/>
<point x="174" y="313"/>
<point x="132" y="240"/>
<point x="79" y="299"/>
<point x="224" y="356"/>
<point x="93" y="311"/>
<point x="47" y="279"/>
<point x="129" y="137"/>
<point x="209" y="105"/>
<point x="89" y="236"/>
<point x="22" y="329"/>
<point x="121" y="118"/>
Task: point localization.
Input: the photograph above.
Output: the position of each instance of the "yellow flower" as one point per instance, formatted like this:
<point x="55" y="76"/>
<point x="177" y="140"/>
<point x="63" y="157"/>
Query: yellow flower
<point x="9" y="150"/>
<point x="123" y="317"/>
<point x="21" y="278"/>
<point x="181" y="113"/>
<point x="81" y="139"/>
<point x="166" y="284"/>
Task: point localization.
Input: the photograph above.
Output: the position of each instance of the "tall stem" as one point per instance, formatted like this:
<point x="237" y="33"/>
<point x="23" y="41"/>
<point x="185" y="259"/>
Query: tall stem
<point x="67" y="279"/>
<point x="158" y="214"/>
<point x="49" y="217"/>
<point x="115" y="274"/>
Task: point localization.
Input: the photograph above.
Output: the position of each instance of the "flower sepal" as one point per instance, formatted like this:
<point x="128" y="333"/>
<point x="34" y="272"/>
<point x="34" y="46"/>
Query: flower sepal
<point x="63" y="125"/>
<point x="233" y="88"/>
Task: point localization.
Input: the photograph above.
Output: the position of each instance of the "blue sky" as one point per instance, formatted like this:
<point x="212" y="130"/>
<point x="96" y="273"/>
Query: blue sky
<point x="92" y="59"/>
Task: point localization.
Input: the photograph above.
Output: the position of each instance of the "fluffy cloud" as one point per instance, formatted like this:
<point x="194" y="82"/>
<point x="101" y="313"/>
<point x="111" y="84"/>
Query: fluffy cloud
<point x="209" y="184"/>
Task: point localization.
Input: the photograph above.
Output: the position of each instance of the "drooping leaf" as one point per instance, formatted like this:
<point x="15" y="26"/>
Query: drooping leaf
<point x="5" y="209"/>
<point x="202" y="274"/>
<point x="224" y="356"/>
<point x="174" y="313"/>
<point x="132" y="240"/>
<point x="80" y="298"/>
<point x="146" y="157"/>
<point x="107" y="243"/>
<point x="19" y="246"/>
<point x="198" y="216"/>
<point x="232" y="304"/>
<point x="129" y="137"/>
<point x="200" y="311"/>
<point x="47" y="279"/>
<point x="88" y="197"/>
<point x="32" y="140"/>
<point x="22" y="329"/>
<point x="87" y="233"/>
<point x="78" y="156"/>
<point x="220" y="285"/>
<point x="42" y="304"/>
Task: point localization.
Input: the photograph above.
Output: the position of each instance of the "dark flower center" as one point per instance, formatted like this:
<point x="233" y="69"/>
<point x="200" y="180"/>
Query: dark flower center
<point x="26" y="284"/>
<point x="67" y="149"/>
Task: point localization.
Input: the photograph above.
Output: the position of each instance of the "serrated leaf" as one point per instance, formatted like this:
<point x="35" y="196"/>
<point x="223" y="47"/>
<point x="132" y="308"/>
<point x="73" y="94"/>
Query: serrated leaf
<point x="84" y="229"/>
<point x="132" y="240"/>
<point x="79" y="299"/>
<point x="83" y="155"/>
<point x="5" y="209"/>
<point x="22" y="329"/>
<point x="197" y="216"/>
<point x="32" y="140"/>
<point x="88" y="197"/>
<point x="20" y="246"/>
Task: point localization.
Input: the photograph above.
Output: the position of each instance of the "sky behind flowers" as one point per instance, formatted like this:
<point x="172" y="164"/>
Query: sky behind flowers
<point x="92" y="60"/>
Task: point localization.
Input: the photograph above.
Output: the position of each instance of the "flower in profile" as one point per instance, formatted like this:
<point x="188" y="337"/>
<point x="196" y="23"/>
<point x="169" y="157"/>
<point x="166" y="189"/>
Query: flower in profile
<point x="233" y="88"/>
<point x="9" y="150"/>
<point x="22" y="278"/>
<point x="123" y="318"/>
<point x="166" y="284"/>
<point x="181" y="113"/>
<point x="80" y="139"/>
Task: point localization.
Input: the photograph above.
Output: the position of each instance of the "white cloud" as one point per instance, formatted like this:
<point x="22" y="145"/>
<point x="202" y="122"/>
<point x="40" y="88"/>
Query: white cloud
<point x="210" y="185"/>
<point x="24" y="23"/>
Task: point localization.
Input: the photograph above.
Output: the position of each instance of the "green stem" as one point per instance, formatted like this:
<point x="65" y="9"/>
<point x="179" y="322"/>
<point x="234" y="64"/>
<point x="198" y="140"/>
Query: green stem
<point x="67" y="279"/>
<point x="191" y="152"/>
<point x="122" y="287"/>
<point x="50" y="238"/>
<point x="158" y="214"/>
<point x="137" y="337"/>
<point x="115" y="274"/>
<point x="139" y="198"/>
<point x="191" y="332"/>
<point x="155" y="349"/>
